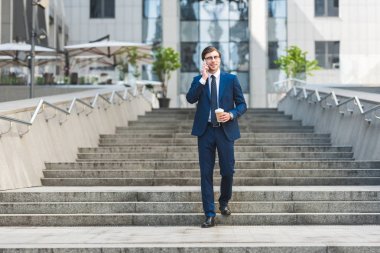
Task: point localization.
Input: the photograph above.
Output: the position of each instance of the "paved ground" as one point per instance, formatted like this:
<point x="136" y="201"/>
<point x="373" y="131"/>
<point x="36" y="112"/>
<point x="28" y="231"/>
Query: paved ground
<point x="78" y="237"/>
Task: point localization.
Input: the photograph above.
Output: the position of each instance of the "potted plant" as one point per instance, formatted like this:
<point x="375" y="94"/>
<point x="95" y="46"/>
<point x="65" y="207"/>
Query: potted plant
<point x="166" y="61"/>
<point x="295" y="64"/>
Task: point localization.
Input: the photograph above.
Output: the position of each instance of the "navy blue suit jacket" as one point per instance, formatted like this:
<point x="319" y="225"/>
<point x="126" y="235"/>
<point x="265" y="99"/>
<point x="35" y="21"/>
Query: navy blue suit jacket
<point x="231" y="99"/>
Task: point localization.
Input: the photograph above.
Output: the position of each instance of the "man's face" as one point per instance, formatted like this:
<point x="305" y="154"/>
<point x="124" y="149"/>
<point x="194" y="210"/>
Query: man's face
<point x="213" y="61"/>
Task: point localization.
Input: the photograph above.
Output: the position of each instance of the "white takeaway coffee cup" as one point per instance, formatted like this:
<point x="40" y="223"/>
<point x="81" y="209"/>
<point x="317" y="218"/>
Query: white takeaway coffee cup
<point x="218" y="113"/>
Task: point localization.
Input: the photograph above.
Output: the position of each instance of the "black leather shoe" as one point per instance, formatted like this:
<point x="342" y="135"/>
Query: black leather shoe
<point x="209" y="222"/>
<point x="225" y="210"/>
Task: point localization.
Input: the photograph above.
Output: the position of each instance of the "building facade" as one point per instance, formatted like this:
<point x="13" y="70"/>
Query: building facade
<point x="341" y="34"/>
<point x="16" y="23"/>
<point x="50" y="30"/>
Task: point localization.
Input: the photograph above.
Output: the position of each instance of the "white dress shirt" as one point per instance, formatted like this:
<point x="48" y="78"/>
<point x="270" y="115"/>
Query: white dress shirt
<point x="217" y="80"/>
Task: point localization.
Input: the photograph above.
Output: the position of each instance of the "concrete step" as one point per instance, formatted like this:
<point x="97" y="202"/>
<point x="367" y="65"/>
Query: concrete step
<point x="96" y="173"/>
<point x="187" y="219"/>
<point x="147" y="159"/>
<point x="238" y="181"/>
<point x="187" y="135"/>
<point x="194" y="155"/>
<point x="167" y="116"/>
<point x="192" y="114"/>
<point x="193" y="141"/>
<point x="290" y="123"/>
<point x="189" y="121"/>
<point x="192" y="110"/>
<point x="243" y="159"/>
<point x="243" y="128"/>
<point x="159" y="165"/>
<point x="187" y="207"/>
<point x="191" y="194"/>
<point x="187" y="129"/>
<point x="191" y="239"/>
<point x="189" y="149"/>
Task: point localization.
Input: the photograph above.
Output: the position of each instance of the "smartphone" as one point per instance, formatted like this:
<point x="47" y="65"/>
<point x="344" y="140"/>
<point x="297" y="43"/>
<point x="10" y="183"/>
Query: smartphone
<point x="204" y="62"/>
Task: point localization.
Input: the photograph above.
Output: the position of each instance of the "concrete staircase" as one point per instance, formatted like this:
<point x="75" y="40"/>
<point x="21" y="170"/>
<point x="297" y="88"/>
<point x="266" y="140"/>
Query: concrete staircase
<point x="157" y="151"/>
<point x="147" y="174"/>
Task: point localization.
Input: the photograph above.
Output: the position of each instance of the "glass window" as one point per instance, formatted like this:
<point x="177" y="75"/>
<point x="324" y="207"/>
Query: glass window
<point x="320" y="52"/>
<point x="214" y="31"/>
<point x="147" y="73"/>
<point x="327" y="54"/>
<point x="102" y="9"/>
<point x="214" y="10"/>
<point x="326" y="8"/>
<point x="95" y="8"/>
<point x="277" y="29"/>
<point x="319" y="7"/>
<point x="239" y="31"/>
<point x="152" y="30"/>
<point x="152" y="22"/>
<point x="333" y="51"/>
<point x="238" y="9"/>
<point x="277" y="8"/>
<point x="333" y="8"/>
<point x="239" y="56"/>
<point x="189" y="9"/>
<point x="152" y="8"/>
<point x="244" y="81"/>
<point x="189" y="31"/>
<point x="190" y="57"/>
<point x="275" y="50"/>
<point x="220" y="23"/>
<point x="185" y="81"/>
<point x="109" y="9"/>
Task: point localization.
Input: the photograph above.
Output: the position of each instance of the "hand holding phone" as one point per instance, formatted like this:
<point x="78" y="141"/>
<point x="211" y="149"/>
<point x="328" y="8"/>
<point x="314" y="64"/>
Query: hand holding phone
<point x="204" y="70"/>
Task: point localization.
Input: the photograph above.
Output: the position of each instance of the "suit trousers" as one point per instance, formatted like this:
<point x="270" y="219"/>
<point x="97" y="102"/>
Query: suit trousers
<point x="215" y="139"/>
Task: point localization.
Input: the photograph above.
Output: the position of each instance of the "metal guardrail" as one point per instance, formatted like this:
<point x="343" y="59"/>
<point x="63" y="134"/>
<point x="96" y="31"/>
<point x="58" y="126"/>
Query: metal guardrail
<point x="330" y="100"/>
<point x="289" y="83"/>
<point x="42" y="104"/>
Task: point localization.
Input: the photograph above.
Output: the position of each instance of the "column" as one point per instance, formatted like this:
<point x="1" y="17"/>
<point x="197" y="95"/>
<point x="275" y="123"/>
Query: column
<point x="258" y="53"/>
<point x="170" y="38"/>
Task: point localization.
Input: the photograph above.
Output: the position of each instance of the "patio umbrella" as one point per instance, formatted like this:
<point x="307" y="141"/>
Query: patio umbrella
<point x="106" y="48"/>
<point x="21" y="50"/>
<point x="18" y="53"/>
<point x="112" y="51"/>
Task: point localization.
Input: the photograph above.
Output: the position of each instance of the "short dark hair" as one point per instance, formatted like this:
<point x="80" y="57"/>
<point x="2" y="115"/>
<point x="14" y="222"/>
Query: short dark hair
<point x="210" y="49"/>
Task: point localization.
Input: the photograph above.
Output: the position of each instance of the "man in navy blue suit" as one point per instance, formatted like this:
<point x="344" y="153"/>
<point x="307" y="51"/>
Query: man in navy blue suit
<point x="211" y="90"/>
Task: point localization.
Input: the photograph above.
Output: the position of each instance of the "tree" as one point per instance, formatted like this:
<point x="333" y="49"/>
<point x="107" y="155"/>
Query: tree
<point x="166" y="61"/>
<point x="295" y="63"/>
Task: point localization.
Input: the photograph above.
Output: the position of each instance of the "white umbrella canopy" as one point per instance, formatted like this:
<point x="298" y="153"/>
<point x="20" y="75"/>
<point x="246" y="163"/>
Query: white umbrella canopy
<point x="107" y="48"/>
<point x="13" y="49"/>
<point x="112" y="52"/>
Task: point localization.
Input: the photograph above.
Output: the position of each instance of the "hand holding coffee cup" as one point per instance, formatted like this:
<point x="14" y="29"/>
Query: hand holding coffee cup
<point x="219" y="113"/>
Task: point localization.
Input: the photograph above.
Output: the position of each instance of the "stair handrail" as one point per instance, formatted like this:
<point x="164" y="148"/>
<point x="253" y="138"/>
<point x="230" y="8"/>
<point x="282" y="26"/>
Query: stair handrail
<point x="41" y="106"/>
<point x="334" y="99"/>
<point x="310" y="97"/>
<point x="289" y="82"/>
<point x="356" y="102"/>
<point x="373" y="110"/>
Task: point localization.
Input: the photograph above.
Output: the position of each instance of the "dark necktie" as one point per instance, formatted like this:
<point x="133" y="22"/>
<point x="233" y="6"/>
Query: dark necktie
<point x="214" y="101"/>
